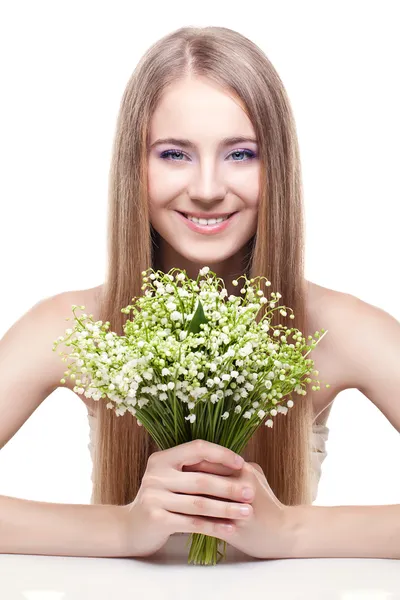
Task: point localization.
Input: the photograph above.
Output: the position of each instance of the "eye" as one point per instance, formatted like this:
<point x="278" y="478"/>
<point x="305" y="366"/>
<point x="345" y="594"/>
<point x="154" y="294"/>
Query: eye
<point x="241" y="152"/>
<point x="170" y="153"/>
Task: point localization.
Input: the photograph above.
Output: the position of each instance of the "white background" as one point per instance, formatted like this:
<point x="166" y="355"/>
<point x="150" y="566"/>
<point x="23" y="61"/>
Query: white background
<point x="64" y="69"/>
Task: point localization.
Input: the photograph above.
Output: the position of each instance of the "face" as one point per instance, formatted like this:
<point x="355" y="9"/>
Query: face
<point x="205" y="176"/>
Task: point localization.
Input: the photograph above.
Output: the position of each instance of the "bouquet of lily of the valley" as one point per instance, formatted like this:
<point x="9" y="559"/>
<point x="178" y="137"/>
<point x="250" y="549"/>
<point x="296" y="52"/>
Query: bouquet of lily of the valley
<point x="193" y="363"/>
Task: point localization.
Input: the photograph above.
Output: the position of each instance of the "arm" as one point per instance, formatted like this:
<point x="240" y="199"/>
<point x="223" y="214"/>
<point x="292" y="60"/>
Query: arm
<point x="345" y="531"/>
<point x="370" y="362"/>
<point x="32" y="527"/>
<point x="29" y="372"/>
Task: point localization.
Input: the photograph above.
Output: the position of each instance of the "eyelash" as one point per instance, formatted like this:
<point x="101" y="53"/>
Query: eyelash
<point x="167" y="153"/>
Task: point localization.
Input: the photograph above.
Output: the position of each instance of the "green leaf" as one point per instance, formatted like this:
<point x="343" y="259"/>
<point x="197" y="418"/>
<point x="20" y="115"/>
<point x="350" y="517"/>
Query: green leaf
<point x="198" y="318"/>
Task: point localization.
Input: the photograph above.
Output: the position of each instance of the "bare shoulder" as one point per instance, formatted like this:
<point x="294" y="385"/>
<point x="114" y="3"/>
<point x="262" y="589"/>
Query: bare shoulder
<point x="30" y="369"/>
<point x="331" y="310"/>
<point x="365" y="350"/>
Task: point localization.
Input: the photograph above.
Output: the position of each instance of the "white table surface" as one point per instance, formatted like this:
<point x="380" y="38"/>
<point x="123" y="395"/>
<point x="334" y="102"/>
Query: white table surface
<point x="167" y="576"/>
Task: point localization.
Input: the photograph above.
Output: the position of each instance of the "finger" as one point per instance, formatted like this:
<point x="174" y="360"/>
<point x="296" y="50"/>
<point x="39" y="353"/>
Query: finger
<point x="196" y="451"/>
<point x="206" y="467"/>
<point x="218" y="528"/>
<point x="229" y="488"/>
<point x="199" y="505"/>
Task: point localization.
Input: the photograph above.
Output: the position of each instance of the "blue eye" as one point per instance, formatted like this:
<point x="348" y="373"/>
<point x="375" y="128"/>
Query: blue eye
<point x="248" y="152"/>
<point x="170" y="153"/>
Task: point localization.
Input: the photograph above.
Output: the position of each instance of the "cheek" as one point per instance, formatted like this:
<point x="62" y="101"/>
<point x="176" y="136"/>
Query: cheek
<point x="247" y="187"/>
<point x="163" y="182"/>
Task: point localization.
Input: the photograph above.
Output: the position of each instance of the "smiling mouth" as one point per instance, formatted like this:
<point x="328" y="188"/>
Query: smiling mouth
<point x="207" y="221"/>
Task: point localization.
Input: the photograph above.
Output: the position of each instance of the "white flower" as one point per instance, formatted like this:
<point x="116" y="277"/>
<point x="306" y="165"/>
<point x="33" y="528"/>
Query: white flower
<point x="234" y="374"/>
<point x="238" y="408"/>
<point x="143" y="401"/>
<point x="204" y="270"/>
<point x="235" y="282"/>
<point x="171" y="305"/>
<point x="290" y="403"/>
<point x="246" y="350"/>
<point x="225" y="416"/>
<point x="247" y="415"/>
<point x="269" y="423"/>
<point x="274" y="412"/>
<point x="175" y="315"/>
<point x="180" y="277"/>
<point x="191" y="418"/>
<point x="261" y="414"/>
<point x="214" y="398"/>
<point x="170" y="385"/>
<point x="165" y="371"/>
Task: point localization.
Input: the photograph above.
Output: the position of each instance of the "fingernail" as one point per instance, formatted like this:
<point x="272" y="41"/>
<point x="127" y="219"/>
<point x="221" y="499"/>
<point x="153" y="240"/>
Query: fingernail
<point x="244" y="510"/>
<point x="239" y="460"/>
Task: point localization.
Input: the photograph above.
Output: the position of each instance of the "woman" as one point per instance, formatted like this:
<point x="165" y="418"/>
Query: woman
<point x="205" y="132"/>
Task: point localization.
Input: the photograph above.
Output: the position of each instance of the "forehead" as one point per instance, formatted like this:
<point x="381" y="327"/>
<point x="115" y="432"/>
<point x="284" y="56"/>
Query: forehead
<point x="198" y="108"/>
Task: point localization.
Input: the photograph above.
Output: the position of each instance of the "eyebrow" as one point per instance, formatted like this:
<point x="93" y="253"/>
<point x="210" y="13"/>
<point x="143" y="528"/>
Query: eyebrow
<point x="228" y="141"/>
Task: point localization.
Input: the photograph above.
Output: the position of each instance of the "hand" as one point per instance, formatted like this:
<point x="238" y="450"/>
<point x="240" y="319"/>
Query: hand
<point x="171" y="499"/>
<point x="266" y="532"/>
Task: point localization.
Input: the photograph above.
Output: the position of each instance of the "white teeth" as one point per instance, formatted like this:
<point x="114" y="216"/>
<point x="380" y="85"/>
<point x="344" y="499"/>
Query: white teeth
<point x="207" y="221"/>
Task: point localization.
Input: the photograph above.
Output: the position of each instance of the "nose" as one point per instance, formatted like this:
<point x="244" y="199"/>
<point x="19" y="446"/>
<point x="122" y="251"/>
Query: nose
<point x="206" y="183"/>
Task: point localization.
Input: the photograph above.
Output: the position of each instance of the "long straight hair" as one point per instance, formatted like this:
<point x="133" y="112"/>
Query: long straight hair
<point x="276" y="251"/>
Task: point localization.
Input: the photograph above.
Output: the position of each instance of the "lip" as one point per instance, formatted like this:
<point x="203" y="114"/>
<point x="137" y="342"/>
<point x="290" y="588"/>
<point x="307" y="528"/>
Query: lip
<point x="207" y="229"/>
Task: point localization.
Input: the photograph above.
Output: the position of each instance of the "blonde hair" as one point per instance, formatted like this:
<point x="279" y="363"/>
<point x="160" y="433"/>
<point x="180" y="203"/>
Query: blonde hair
<point x="276" y="251"/>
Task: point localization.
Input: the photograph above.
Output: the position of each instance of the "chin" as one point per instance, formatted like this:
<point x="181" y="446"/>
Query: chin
<point x="207" y="258"/>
